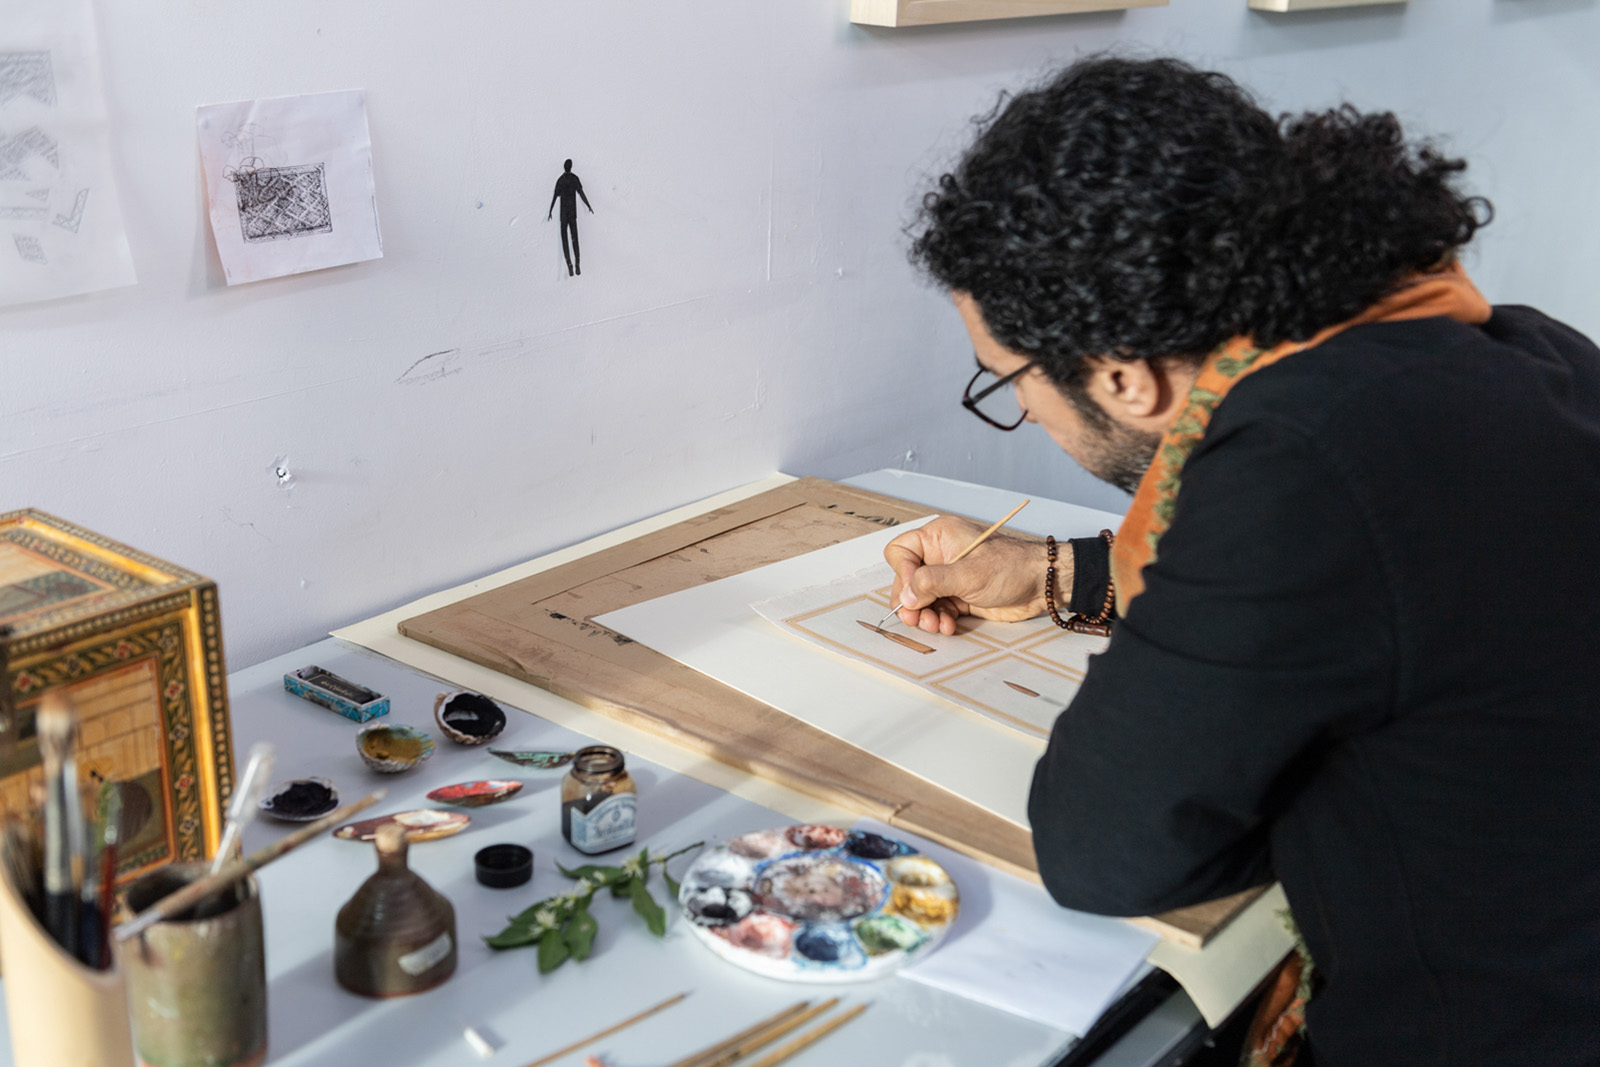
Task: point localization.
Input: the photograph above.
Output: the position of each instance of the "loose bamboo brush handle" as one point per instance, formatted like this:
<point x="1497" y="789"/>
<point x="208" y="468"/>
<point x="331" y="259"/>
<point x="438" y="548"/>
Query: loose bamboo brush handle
<point x="761" y="1034"/>
<point x="810" y="1037"/>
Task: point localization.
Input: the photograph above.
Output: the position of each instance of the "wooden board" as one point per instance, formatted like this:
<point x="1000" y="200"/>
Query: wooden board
<point x="540" y="630"/>
<point x="934" y="12"/>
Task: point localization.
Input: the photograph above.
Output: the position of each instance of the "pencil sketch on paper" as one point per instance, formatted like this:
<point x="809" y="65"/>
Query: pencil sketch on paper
<point x="27" y="74"/>
<point x="73" y="221"/>
<point x="277" y="203"/>
<point x="1018" y="674"/>
<point x="289" y="184"/>
<point x="55" y="153"/>
<point x="19" y="149"/>
<point x="29" y="248"/>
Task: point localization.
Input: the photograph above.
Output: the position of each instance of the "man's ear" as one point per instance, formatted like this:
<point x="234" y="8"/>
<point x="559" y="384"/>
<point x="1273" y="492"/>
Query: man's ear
<point x="1130" y="391"/>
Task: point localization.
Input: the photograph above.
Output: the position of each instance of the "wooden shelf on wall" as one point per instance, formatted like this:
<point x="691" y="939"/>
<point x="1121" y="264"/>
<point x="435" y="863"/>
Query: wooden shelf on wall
<point x="1314" y="5"/>
<point x="932" y="12"/>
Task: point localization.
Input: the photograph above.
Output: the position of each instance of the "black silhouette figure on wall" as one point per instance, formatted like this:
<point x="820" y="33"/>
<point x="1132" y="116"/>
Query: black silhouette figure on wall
<point x="568" y="191"/>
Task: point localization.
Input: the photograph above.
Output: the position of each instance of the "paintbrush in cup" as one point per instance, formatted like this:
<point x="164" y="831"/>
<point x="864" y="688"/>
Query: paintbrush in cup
<point x="976" y="541"/>
<point x="246" y="796"/>
<point x="63" y="850"/>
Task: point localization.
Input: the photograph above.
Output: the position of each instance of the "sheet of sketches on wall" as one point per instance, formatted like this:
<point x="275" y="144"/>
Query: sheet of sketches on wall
<point x="60" y="221"/>
<point x="289" y="180"/>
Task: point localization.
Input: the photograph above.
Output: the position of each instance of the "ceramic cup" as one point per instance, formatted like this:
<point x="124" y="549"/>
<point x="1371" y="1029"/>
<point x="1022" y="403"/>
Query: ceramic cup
<point x="197" y="984"/>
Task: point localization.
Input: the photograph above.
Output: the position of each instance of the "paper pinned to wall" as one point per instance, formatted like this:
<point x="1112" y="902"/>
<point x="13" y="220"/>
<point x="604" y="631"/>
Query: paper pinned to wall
<point x="1019" y="674"/>
<point x="61" y="230"/>
<point x="289" y="181"/>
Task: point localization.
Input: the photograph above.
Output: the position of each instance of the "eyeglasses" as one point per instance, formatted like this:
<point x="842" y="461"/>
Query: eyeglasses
<point x="971" y="400"/>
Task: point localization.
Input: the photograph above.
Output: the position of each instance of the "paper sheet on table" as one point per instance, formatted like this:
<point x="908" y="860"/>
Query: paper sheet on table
<point x="1015" y="949"/>
<point x="59" y="210"/>
<point x="1017" y="674"/>
<point x="289" y="181"/>
<point x="713" y="629"/>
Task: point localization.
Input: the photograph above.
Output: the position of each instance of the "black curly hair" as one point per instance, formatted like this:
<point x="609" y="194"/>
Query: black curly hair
<point x="1144" y="209"/>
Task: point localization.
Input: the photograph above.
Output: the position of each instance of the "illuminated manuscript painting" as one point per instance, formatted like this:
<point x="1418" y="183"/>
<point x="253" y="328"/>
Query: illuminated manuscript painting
<point x="1019" y="674"/>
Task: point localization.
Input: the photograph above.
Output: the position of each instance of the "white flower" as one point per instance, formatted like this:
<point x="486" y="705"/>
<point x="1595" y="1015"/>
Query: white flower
<point x="633" y="868"/>
<point x="546" y="918"/>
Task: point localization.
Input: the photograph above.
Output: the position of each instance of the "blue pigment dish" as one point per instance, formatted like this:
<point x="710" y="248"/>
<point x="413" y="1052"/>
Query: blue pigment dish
<point x="829" y="944"/>
<point x="874" y="846"/>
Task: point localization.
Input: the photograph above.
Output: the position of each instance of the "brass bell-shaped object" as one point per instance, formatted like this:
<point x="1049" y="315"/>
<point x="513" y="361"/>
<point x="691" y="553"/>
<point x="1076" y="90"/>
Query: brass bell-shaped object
<point x="397" y="935"/>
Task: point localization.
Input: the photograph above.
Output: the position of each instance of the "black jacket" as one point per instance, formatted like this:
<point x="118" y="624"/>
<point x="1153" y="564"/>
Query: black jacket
<point x="1367" y="663"/>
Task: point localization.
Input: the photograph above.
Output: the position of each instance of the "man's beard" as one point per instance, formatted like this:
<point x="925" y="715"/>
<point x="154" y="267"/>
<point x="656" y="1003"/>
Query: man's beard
<point x="1122" y="456"/>
<point x="1113" y="452"/>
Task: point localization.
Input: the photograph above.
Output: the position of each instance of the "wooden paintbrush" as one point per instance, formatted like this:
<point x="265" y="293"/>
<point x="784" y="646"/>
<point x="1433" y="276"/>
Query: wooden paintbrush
<point x="976" y="541"/>
<point x="246" y="795"/>
<point x="196" y="891"/>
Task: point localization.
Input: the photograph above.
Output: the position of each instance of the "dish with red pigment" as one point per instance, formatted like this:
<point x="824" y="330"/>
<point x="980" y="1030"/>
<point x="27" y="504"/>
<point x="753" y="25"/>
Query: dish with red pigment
<point x="476" y="794"/>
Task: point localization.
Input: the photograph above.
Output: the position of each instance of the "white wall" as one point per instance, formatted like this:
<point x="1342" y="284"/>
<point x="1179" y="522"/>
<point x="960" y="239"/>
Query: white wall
<point x="746" y="305"/>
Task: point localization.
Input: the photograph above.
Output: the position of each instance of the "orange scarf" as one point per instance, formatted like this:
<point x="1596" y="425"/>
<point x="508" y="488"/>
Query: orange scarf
<point x="1446" y="292"/>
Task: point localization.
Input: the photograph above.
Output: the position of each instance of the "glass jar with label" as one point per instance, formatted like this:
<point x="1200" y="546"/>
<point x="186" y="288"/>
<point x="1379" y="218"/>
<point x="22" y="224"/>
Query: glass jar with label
<point x="599" y="801"/>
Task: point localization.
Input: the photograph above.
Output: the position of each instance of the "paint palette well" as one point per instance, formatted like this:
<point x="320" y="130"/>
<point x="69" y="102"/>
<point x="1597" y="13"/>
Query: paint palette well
<point x="422" y="824"/>
<point x="476" y="794"/>
<point x="300" y="800"/>
<point x="818" y="903"/>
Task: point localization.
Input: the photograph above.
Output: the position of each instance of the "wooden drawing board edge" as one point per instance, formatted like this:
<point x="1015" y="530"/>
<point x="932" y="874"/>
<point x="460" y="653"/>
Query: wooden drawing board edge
<point x="1189" y="926"/>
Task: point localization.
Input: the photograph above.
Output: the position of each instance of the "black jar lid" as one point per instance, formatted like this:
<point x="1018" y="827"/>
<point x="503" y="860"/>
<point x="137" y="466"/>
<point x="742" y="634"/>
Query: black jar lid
<point x="504" y="866"/>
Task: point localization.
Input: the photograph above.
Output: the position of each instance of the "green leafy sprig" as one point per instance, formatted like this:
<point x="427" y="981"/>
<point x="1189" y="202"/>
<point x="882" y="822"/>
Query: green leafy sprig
<point x="561" y="925"/>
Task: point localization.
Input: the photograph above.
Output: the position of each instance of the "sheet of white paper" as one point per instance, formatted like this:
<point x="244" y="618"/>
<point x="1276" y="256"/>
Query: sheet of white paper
<point x="1018" y="674"/>
<point x="60" y="220"/>
<point x="289" y="180"/>
<point x="1015" y="949"/>
<point x="713" y="629"/>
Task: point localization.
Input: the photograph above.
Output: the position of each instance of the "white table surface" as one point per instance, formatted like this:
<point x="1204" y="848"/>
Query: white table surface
<point x="313" y="1021"/>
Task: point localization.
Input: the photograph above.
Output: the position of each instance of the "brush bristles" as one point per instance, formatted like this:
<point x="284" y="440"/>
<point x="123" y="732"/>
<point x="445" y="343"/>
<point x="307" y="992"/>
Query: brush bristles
<point x="53" y="727"/>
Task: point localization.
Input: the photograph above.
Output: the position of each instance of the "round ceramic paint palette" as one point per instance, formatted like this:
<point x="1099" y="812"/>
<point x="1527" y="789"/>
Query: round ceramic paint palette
<point x="817" y="903"/>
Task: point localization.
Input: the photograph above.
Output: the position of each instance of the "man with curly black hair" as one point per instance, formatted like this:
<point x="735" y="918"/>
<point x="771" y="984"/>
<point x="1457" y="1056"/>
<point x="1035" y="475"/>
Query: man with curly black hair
<point x="1356" y="598"/>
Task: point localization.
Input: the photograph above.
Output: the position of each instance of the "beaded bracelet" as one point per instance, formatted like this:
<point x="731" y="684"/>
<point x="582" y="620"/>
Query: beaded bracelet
<point x="1098" y="625"/>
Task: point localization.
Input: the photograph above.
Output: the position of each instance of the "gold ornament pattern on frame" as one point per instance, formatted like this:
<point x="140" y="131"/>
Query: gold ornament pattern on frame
<point x="1018" y="674"/>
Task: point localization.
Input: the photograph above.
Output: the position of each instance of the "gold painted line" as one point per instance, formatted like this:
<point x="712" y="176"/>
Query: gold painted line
<point x="899" y="639"/>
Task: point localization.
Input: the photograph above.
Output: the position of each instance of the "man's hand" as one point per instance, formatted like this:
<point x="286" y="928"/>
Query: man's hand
<point x="1003" y="578"/>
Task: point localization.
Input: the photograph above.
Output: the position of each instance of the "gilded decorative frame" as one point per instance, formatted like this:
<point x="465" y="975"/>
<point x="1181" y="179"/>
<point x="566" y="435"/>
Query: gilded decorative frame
<point x="136" y="643"/>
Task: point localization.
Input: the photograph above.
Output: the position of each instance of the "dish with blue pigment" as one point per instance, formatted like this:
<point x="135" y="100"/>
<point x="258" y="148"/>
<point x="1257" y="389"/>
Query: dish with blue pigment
<point x="817" y="903"/>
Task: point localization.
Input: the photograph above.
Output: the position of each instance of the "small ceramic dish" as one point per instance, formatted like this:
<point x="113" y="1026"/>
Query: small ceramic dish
<point x="544" y="761"/>
<point x="300" y="799"/>
<point x="476" y="794"/>
<point x="423" y="824"/>
<point x="391" y="747"/>
<point x="468" y="718"/>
